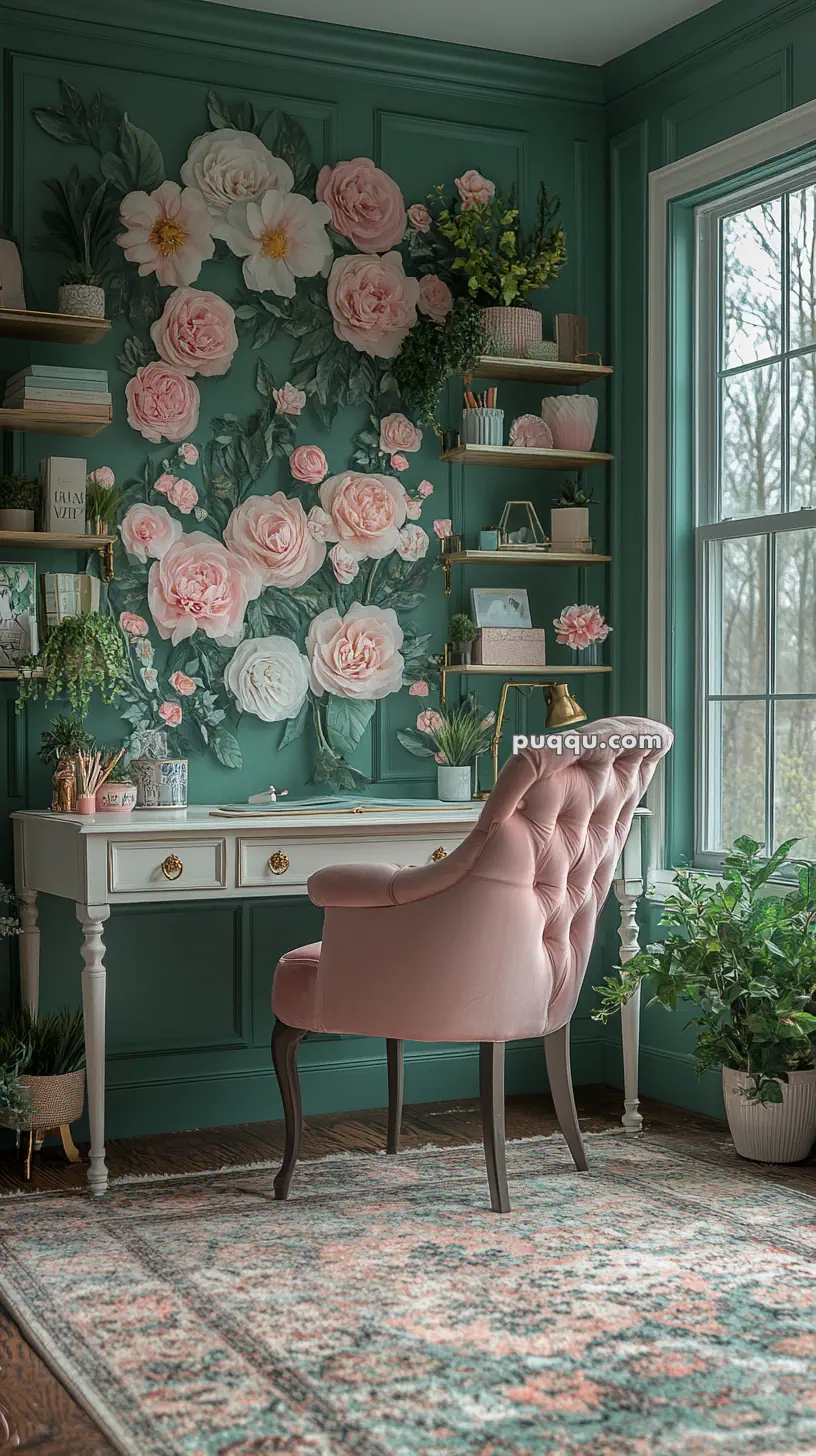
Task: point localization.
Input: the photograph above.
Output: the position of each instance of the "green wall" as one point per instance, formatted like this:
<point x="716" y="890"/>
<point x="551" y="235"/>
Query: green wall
<point x="188" y="991"/>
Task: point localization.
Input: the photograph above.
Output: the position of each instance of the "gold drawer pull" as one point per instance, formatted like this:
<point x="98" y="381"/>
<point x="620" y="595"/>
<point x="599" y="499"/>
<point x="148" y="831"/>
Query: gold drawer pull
<point x="278" y="862"/>
<point x="438" y="854"/>
<point x="171" y="867"/>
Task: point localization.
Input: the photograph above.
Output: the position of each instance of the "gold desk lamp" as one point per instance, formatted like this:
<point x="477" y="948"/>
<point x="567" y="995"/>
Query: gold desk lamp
<point x="563" y="711"/>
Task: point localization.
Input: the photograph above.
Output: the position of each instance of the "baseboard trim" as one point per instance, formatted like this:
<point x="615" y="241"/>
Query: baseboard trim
<point x="668" y="1076"/>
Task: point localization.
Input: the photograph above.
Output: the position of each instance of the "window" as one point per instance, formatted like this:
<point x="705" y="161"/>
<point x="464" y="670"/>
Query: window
<point x="755" y="478"/>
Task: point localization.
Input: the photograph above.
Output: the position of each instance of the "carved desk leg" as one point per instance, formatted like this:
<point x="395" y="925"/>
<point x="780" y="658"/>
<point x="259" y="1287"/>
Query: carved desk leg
<point x="29" y="950"/>
<point x="92" y="918"/>
<point x="628" y="890"/>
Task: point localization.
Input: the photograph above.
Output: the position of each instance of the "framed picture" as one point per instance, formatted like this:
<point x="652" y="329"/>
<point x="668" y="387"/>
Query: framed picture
<point x="500" y="607"/>
<point x="18" y="611"/>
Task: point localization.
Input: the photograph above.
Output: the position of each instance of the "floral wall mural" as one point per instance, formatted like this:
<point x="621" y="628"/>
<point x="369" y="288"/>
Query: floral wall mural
<point x="293" y="606"/>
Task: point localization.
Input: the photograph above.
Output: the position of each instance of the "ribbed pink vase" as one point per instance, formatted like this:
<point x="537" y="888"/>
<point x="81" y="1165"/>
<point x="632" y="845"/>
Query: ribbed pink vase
<point x="513" y="329"/>
<point x="573" y="420"/>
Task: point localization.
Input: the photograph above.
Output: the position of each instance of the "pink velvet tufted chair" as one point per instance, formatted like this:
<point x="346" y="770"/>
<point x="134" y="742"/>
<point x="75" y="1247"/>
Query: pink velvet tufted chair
<point x="488" y="945"/>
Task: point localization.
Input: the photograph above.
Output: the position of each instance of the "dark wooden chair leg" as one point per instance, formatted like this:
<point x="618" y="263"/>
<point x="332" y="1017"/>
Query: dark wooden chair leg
<point x="285" y="1042"/>
<point x="394" y="1050"/>
<point x="491" y="1093"/>
<point x="557" y="1052"/>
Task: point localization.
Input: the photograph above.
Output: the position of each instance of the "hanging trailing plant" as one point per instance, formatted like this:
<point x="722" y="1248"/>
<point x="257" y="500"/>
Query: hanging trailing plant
<point x="432" y="352"/>
<point x="83" y="655"/>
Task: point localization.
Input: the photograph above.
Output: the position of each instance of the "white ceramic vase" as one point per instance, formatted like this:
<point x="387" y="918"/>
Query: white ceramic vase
<point x="83" y="299"/>
<point x="772" y="1132"/>
<point x="453" y="783"/>
<point x="569" y="527"/>
<point x="573" y="420"/>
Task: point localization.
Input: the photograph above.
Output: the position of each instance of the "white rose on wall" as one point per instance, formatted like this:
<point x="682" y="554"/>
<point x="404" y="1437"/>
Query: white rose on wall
<point x="229" y="166"/>
<point x="269" y="677"/>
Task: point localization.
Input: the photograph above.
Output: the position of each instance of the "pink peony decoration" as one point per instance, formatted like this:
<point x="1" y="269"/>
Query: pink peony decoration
<point x="397" y="433"/>
<point x="419" y="217"/>
<point x="358" y="655"/>
<point x="288" y="400"/>
<point x="104" y="476"/>
<point x="413" y="509"/>
<point x="271" y="532"/>
<point x="366" y="204"/>
<point x="132" y="624"/>
<point x="367" y="511"/>
<point x="443" y="529"/>
<point x="181" y="493"/>
<point x="419" y="689"/>
<point x="399" y="462"/>
<point x="199" y="584"/>
<point x="413" y="543"/>
<point x="429" y="721"/>
<point x="189" y="453"/>
<point x="372" y="302"/>
<point x="162" y="404"/>
<point x="580" y="626"/>
<point x="182" y="684"/>
<point x="196" y="332"/>
<point x="531" y="430"/>
<point x="425" y="489"/>
<point x="474" y="189"/>
<point x="148" y="531"/>
<point x="167" y="233"/>
<point x="435" y="298"/>
<point x="344" y="565"/>
<point x="309" y="464"/>
<point x="171" y="713"/>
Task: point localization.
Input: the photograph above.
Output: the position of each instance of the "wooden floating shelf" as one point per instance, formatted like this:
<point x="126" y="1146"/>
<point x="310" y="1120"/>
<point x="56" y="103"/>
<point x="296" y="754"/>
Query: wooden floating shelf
<point x="55" y="540"/>
<point x="478" y="669"/>
<point x="523" y="558"/>
<point x="9" y="674"/>
<point x="51" y="328"/>
<point x="542" y="371"/>
<point x="51" y="423"/>
<point x="523" y="457"/>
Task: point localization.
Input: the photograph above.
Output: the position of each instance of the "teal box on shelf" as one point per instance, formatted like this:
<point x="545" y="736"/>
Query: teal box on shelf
<point x="488" y="540"/>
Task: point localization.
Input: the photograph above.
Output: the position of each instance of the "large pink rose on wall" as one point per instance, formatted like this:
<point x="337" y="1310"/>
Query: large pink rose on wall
<point x="366" y="204"/>
<point x="196" y="332"/>
<point x="147" y="531"/>
<point x="166" y="232"/>
<point x="356" y="656"/>
<point x="373" y="303"/>
<point x="397" y="433"/>
<point x="180" y="492"/>
<point x="199" y="584"/>
<point x="272" y="533"/>
<point x="309" y="464"/>
<point x="229" y="166"/>
<point x="435" y="298"/>
<point x="162" y="403"/>
<point x="367" y="511"/>
<point x="280" y="237"/>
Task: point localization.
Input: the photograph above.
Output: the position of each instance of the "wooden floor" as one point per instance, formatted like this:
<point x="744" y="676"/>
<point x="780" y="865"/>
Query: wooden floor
<point x="37" y="1414"/>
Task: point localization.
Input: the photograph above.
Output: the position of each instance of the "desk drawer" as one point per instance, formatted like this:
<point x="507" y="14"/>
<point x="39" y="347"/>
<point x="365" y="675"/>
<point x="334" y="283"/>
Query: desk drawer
<point x="266" y="861"/>
<point x="166" y="866"/>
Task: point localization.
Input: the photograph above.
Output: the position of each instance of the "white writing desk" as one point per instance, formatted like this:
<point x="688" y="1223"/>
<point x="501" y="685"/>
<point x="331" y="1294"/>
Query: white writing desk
<point x="106" y="859"/>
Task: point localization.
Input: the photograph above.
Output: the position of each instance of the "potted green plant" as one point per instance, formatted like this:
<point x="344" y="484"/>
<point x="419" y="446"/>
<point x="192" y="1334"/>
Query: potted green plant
<point x="432" y="351"/>
<point x="42" y="1067"/>
<point x="59" y="745"/>
<point x="81" y="224"/>
<point x="84" y="654"/>
<point x="454" y="738"/>
<point x="462" y="633"/>
<point x="746" y="958"/>
<point x="569" y="517"/>
<point x="102" y="500"/>
<point x="19" y="499"/>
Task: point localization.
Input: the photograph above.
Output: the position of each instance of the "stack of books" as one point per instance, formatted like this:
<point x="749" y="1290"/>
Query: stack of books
<point x="52" y="389"/>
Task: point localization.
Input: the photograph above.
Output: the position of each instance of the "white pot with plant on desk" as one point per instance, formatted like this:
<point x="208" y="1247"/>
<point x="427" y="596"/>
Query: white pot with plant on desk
<point x="569" y="518"/>
<point x="454" y="739"/>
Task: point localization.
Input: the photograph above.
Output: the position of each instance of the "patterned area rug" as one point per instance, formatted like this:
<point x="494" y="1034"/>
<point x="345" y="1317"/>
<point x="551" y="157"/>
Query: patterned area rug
<point x="661" y="1304"/>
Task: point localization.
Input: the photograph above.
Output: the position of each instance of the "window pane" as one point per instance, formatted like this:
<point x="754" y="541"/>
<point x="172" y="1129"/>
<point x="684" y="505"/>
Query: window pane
<point x="796" y="613"/>
<point x="738" y="584"/>
<point x="751" y="468"/>
<point x="802" y="267"/>
<point x="737" y="772"/>
<point x="802" y="431"/>
<point x="752" y="284"/>
<point x="795" y="776"/>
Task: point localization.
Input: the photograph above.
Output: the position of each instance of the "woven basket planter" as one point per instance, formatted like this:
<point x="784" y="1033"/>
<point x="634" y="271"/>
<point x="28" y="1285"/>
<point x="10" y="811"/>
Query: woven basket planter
<point x="57" y="1101"/>
<point x="512" y="330"/>
<point x="772" y="1132"/>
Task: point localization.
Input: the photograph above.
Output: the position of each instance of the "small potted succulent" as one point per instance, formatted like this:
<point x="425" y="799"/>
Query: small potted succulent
<point x="102" y="500"/>
<point x="454" y="738"/>
<point x="462" y="633"/>
<point x="42" y="1074"/>
<point x="81" y="223"/>
<point x="19" y="499"/>
<point x="569" y="518"/>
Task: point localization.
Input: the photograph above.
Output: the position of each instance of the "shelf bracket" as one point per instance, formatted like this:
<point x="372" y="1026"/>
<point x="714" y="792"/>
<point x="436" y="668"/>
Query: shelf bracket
<point x="105" y="554"/>
<point x="446" y="567"/>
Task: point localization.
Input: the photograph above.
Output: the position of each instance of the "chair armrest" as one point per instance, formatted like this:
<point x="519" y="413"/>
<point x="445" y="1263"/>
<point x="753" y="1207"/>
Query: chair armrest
<point x="353" y="885"/>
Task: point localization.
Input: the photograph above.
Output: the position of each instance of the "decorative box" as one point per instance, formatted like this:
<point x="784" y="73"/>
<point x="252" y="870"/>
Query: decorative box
<point x="510" y="647"/>
<point x="489" y="540"/>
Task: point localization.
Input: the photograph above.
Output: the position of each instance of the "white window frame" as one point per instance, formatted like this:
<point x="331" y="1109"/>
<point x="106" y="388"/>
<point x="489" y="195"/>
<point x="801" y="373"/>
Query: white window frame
<point x="771" y="141"/>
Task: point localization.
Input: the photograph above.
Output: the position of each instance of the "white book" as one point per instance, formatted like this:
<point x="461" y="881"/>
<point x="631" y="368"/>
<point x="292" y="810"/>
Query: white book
<point x="63" y="493"/>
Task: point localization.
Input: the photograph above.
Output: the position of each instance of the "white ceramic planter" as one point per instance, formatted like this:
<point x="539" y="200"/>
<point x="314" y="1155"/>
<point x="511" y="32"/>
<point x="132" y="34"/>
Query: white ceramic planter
<point x="569" y="525"/>
<point x="453" y="784"/>
<point x="573" y="420"/>
<point x="14" y="520"/>
<point x="81" y="298"/>
<point x="772" y="1132"/>
<point x="116" y="798"/>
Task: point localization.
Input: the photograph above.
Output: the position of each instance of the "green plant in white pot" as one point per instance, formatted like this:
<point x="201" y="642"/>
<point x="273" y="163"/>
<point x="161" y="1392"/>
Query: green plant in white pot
<point x="81" y="224"/>
<point x="745" y="956"/>
<point x="454" y="738"/>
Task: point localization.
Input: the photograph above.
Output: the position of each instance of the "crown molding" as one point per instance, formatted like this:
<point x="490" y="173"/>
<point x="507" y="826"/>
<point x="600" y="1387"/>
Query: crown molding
<point x="253" y="36"/>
